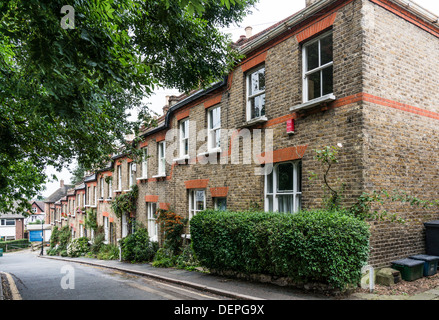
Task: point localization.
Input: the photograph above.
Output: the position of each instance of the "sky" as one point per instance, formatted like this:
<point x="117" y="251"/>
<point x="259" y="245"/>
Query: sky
<point x="265" y="14"/>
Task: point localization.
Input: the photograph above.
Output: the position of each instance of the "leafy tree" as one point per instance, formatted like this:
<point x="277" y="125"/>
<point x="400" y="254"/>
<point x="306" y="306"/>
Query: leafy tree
<point x="66" y="93"/>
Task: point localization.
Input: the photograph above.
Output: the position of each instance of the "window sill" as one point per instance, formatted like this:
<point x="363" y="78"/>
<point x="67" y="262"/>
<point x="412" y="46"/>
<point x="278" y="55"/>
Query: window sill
<point x="313" y="103"/>
<point x="209" y="152"/>
<point x="163" y="175"/>
<point x="142" y="178"/>
<point x="181" y="160"/>
<point x="186" y="236"/>
<point x="117" y="191"/>
<point x="254" y="121"/>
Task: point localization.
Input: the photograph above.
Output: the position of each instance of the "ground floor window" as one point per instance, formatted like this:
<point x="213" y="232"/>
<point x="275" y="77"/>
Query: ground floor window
<point x="197" y="201"/>
<point x="151" y="208"/>
<point x="220" y="203"/>
<point x="106" y="229"/>
<point x="124" y="225"/>
<point x="7" y="222"/>
<point x="283" y="187"/>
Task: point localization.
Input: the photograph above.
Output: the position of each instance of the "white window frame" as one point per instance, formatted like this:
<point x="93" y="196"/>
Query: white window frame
<point x="110" y="188"/>
<point x="212" y="131"/>
<point x="119" y="178"/>
<point x="151" y="208"/>
<point x="131" y="178"/>
<point x="106" y="229"/>
<point x="307" y="73"/>
<point x="192" y="202"/>
<point x="102" y="187"/>
<point x="249" y="96"/>
<point x="95" y="198"/>
<point x="124" y="225"/>
<point x="161" y="157"/>
<point x="296" y="193"/>
<point x="145" y="163"/>
<point x="184" y="138"/>
<point x="216" y="200"/>
<point x="4" y="222"/>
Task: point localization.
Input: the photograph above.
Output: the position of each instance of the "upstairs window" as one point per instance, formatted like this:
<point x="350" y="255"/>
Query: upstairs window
<point x="119" y="178"/>
<point x="184" y="138"/>
<point x="214" y="128"/>
<point x="145" y="163"/>
<point x="318" y="67"/>
<point x="131" y="177"/>
<point x="256" y="93"/>
<point x="161" y="152"/>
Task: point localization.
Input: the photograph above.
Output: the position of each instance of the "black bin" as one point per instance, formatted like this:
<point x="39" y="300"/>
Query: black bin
<point x="432" y="237"/>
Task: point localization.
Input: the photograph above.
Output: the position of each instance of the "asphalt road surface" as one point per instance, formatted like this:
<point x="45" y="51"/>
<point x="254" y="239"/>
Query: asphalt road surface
<point x="46" y="279"/>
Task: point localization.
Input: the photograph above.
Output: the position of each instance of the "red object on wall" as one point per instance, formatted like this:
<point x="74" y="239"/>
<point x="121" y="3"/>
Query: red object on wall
<point x="290" y="126"/>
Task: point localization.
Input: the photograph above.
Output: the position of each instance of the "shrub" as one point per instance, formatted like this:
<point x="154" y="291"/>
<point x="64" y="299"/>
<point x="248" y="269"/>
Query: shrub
<point x="108" y="252"/>
<point x="78" y="247"/>
<point x="316" y="246"/>
<point x="136" y="247"/>
<point x="14" y="244"/>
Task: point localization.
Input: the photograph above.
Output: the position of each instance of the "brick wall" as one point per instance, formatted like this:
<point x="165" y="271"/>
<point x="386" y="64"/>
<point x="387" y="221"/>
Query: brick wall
<point x="401" y="140"/>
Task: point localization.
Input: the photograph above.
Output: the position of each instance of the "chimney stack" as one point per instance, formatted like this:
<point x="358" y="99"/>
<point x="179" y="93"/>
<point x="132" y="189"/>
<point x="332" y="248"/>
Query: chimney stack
<point x="248" y="31"/>
<point x="310" y="2"/>
<point x="61" y="183"/>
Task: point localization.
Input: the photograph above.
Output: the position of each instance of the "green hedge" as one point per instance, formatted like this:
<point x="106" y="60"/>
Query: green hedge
<point x="317" y="246"/>
<point x="13" y="244"/>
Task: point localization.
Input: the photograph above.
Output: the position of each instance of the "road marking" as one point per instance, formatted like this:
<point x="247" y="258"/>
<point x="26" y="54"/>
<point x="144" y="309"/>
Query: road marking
<point x="190" y="291"/>
<point x="14" y="291"/>
<point x="150" y="290"/>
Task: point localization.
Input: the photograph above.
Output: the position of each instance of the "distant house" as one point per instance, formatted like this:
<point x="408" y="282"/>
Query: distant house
<point x="50" y="201"/>
<point x="37" y="212"/>
<point x="11" y="226"/>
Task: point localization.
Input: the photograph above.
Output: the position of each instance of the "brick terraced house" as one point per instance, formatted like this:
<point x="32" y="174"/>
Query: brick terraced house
<point x="361" y="73"/>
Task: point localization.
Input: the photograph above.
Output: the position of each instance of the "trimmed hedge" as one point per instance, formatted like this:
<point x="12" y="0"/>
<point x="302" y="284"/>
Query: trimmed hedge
<point x="316" y="246"/>
<point x="21" y="243"/>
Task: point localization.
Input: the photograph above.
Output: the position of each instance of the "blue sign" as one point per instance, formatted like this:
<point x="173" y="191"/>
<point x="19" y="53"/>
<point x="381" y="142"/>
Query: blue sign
<point x="35" y="235"/>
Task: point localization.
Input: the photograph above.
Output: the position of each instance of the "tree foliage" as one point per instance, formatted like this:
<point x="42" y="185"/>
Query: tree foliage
<point x="66" y="93"/>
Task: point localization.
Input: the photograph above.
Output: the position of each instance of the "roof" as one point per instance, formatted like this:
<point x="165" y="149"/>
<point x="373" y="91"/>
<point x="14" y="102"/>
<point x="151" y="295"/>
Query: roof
<point x="11" y="216"/>
<point x="40" y="204"/>
<point x="58" y="194"/>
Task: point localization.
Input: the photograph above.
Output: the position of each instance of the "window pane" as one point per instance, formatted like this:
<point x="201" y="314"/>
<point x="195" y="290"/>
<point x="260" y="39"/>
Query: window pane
<point x="183" y="129"/>
<point x="217" y="140"/>
<point x="215" y="118"/>
<point x="221" y="204"/>
<point x="257" y="105"/>
<point x="285" y="177"/>
<point x="326" y="49"/>
<point x="298" y="202"/>
<point x="299" y="176"/>
<point x="327" y="80"/>
<point x="257" y="81"/>
<point x="285" y="203"/>
<point x="186" y="146"/>
<point x="312" y="54"/>
<point x="270" y="203"/>
<point x="314" y="85"/>
<point x="270" y="183"/>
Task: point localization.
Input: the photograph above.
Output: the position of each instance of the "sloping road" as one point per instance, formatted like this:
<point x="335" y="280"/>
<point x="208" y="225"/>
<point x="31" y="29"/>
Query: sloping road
<point x="46" y="279"/>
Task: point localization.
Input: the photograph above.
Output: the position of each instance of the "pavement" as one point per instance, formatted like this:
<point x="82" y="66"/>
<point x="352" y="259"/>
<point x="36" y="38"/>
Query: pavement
<point x="229" y="287"/>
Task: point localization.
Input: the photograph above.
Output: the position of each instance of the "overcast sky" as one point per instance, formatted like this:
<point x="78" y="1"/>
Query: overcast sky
<point x="265" y="14"/>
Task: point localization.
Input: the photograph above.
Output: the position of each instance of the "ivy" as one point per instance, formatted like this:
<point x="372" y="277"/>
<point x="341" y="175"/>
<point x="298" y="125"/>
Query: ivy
<point x="125" y="203"/>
